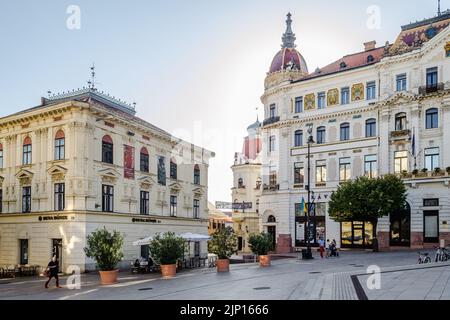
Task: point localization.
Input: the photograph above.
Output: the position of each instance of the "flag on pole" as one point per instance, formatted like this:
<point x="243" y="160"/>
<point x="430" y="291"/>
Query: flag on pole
<point x="303" y="207"/>
<point x="413" y="143"/>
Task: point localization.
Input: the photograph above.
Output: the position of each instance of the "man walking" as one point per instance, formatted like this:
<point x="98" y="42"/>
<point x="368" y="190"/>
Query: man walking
<point x="52" y="272"/>
<point x="321" y="247"/>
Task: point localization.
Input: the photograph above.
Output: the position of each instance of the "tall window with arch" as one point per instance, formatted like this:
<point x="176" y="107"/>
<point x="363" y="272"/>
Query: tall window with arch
<point x="432" y="118"/>
<point x="107" y="150"/>
<point x="27" y="147"/>
<point x="145" y="160"/>
<point x="60" y="145"/>
<point x="371" y="128"/>
<point x="345" y="131"/>
<point x="197" y="174"/>
<point x="240" y="183"/>
<point x="320" y="135"/>
<point x="173" y="169"/>
<point x="1" y="156"/>
<point x="400" y="121"/>
<point x="298" y="139"/>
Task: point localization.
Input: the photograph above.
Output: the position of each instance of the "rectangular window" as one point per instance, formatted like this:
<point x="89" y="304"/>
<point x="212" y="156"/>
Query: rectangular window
<point x="196" y="249"/>
<point x="26" y="199"/>
<point x="272" y="177"/>
<point x="271" y="143"/>
<point x="145" y="162"/>
<point x="401" y="82"/>
<point x="273" y="111"/>
<point x="107" y="152"/>
<point x="432" y="118"/>
<point x="321" y="100"/>
<point x="432" y="77"/>
<point x="370" y="166"/>
<point x="23" y="251"/>
<point x="345" y="132"/>
<point x="107" y="198"/>
<point x="196" y="208"/>
<point x="321" y="171"/>
<point x="371" y="90"/>
<point x="344" y="169"/>
<point x="431" y="158"/>
<point x="173" y="170"/>
<point x="400" y="161"/>
<point x="298" y="138"/>
<point x="298" y="104"/>
<point x="431" y="202"/>
<point x="431" y="226"/>
<point x="345" y="95"/>
<point x="1" y="200"/>
<point x="173" y="206"/>
<point x="321" y="135"/>
<point x="299" y="173"/>
<point x="60" y="149"/>
<point x="1" y="159"/>
<point x="371" y="130"/>
<point x="59" y="196"/>
<point x="145" y="200"/>
<point x="26" y="154"/>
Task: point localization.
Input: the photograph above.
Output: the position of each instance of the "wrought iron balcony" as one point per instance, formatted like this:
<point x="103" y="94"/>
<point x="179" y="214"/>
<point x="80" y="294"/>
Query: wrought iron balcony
<point x="271" y="120"/>
<point x="271" y="187"/>
<point x="430" y="88"/>
<point x="401" y="134"/>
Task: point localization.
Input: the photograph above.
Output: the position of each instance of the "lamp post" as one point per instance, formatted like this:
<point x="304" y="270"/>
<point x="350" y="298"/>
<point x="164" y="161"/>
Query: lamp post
<point x="307" y="255"/>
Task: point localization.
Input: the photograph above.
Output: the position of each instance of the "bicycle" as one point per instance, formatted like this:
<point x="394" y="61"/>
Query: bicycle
<point x="442" y="255"/>
<point x="424" y="258"/>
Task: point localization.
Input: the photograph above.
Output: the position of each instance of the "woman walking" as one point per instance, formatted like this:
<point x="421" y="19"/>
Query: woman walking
<point x="52" y="272"/>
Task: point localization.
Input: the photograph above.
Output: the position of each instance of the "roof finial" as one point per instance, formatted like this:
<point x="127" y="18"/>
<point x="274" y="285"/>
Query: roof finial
<point x="289" y="36"/>
<point x="439" y="8"/>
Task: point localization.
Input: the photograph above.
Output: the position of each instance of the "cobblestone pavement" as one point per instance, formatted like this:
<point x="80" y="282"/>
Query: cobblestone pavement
<point x="327" y="279"/>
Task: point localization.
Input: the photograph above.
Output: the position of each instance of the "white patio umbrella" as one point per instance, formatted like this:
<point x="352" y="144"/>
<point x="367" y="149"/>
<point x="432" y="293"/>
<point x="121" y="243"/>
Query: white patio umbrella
<point x="189" y="236"/>
<point x="142" y="242"/>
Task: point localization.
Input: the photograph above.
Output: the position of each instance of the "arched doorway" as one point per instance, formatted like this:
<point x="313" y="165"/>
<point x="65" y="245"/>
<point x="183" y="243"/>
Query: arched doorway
<point x="400" y="227"/>
<point x="272" y="230"/>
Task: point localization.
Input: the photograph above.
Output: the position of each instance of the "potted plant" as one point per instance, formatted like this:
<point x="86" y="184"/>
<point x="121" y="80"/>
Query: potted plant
<point x="447" y="170"/>
<point x="437" y="171"/>
<point x="167" y="249"/>
<point x="404" y="173"/>
<point x="415" y="172"/>
<point x="261" y="244"/>
<point x="224" y="245"/>
<point x="106" y="249"/>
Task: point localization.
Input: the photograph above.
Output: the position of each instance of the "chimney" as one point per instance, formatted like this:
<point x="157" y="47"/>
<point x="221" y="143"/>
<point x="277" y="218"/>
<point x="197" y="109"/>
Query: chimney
<point x="370" y="45"/>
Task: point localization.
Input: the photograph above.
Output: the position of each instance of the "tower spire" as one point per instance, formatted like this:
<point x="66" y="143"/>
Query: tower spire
<point x="439" y="8"/>
<point x="91" y="82"/>
<point x="289" y="36"/>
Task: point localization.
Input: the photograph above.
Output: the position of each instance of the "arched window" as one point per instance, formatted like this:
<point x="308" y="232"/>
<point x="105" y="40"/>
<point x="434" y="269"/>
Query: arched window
<point x="271" y="219"/>
<point x="240" y="183"/>
<point x="26" y="151"/>
<point x="400" y="121"/>
<point x="320" y="135"/>
<point x="370" y="58"/>
<point x="60" y="145"/>
<point x="173" y="169"/>
<point x="371" y="130"/>
<point x="107" y="150"/>
<point x="196" y="174"/>
<point x="432" y="118"/>
<point x="345" y="131"/>
<point x="1" y="158"/>
<point x="343" y="65"/>
<point x="145" y="167"/>
<point x="298" y="140"/>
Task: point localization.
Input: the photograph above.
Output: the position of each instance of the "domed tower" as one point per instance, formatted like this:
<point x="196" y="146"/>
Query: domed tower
<point x="288" y="63"/>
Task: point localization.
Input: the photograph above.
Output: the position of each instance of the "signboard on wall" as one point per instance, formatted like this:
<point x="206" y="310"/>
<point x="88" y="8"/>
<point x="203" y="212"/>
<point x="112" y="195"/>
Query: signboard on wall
<point x="242" y="205"/>
<point x="128" y="161"/>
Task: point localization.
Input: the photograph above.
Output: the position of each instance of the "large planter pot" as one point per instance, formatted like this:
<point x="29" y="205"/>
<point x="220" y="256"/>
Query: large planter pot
<point x="264" y="261"/>
<point x="168" y="270"/>
<point x="223" y="265"/>
<point x="108" y="277"/>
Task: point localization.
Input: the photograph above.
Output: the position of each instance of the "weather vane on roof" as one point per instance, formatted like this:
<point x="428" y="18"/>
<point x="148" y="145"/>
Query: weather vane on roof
<point x="91" y="82"/>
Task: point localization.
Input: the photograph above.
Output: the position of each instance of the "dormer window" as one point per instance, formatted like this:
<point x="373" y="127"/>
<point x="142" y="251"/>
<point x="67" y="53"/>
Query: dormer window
<point x="343" y="65"/>
<point x="370" y="58"/>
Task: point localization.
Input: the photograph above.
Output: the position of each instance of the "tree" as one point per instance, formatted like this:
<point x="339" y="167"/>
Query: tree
<point x="167" y="248"/>
<point x="260" y="243"/>
<point x="223" y="243"/>
<point x="105" y="248"/>
<point x="366" y="199"/>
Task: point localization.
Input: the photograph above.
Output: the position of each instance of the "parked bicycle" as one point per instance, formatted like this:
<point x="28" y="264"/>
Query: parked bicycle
<point x="442" y="255"/>
<point x="424" y="258"/>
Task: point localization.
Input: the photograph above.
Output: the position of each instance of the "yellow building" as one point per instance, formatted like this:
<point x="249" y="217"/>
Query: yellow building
<point x="82" y="161"/>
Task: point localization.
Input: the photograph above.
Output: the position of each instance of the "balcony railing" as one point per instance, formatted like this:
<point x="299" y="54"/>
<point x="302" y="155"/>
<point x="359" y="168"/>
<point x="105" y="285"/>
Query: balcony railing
<point x="271" y="187"/>
<point x="271" y="120"/>
<point x="430" y="88"/>
<point x="401" y="134"/>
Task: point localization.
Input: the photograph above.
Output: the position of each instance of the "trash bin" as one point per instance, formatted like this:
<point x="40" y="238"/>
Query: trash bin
<point x="306" y="255"/>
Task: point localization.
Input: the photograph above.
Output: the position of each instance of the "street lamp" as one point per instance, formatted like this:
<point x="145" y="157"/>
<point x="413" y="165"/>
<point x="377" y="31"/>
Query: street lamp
<point x="307" y="255"/>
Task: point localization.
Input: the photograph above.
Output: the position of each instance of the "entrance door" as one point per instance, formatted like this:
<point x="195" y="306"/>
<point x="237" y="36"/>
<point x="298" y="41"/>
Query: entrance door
<point x="57" y="251"/>
<point x="356" y="234"/>
<point x="23" y="251"/>
<point x="271" y="230"/>
<point x="431" y="226"/>
<point x="400" y="230"/>
<point x="239" y="243"/>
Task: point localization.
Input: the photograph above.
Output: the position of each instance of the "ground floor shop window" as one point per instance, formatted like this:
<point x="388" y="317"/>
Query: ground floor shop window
<point x="23" y="251"/>
<point x="400" y="227"/>
<point x="356" y="234"/>
<point x="431" y="226"/>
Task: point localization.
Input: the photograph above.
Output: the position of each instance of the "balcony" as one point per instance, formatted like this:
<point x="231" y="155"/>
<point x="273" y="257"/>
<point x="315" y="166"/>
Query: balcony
<point x="431" y="88"/>
<point x="271" y="120"/>
<point x="401" y="134"/>
<point x="271" y="187"/>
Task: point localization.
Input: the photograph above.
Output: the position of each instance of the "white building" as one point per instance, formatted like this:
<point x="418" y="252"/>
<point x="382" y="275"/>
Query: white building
<point x="246" y="189"/>
<point x="82" y="161"/>
<point x="382" y="110"/>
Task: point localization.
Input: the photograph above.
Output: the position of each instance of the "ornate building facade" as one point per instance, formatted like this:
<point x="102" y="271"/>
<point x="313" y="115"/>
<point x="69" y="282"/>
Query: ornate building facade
<point x="247" y="187"/>
<point x="382" y="110"/>
<point x="82" y="161"/>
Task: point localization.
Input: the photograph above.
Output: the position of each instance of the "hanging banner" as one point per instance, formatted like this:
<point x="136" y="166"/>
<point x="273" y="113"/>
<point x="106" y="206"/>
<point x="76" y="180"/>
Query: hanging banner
<point x="128" y="161"/>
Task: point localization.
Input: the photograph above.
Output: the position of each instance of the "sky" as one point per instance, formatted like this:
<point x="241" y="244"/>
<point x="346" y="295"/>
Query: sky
<point x="195" y="68"/>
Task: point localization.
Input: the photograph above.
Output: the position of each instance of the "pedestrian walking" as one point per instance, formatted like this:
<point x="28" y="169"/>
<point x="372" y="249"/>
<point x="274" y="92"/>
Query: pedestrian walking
<point x="321" y="247"/>
<point x="52" y="272"/>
